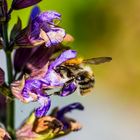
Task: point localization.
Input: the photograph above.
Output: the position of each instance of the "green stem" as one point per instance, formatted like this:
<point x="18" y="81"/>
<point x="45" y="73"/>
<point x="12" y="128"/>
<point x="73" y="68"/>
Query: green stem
<point x="9" y="67"/>
<point x="10" y="104"/>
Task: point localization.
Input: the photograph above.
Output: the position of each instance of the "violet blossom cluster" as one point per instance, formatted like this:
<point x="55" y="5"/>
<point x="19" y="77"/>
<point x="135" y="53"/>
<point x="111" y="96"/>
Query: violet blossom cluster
<point x="36" y="48"/>
<point x="41" y="62"/>
<point x="42" y="32"/>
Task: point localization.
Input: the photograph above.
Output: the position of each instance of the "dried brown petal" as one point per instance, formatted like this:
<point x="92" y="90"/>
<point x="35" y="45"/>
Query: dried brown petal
<point x="46" y="123"/>
<point x="17" y="88"/>
<point x="4" y="135"/>
<point x="68" y="38"/>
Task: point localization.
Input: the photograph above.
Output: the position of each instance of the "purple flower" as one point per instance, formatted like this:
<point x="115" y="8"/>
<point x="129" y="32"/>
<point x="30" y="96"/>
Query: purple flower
<point x="20" y="4"/>
<point x="49" y="127"/>
<point x="42" y="30"/>
<point x="69" y="124"/>
<point x="32" y="88"/>
<point x="37" y="56"/>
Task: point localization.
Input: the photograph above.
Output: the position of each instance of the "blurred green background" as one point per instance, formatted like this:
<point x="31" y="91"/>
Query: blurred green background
<point x="103" y="28"/>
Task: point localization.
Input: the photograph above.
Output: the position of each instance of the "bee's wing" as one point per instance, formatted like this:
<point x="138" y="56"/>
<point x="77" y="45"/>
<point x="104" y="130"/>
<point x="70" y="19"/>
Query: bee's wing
<point x="97" y="60"/>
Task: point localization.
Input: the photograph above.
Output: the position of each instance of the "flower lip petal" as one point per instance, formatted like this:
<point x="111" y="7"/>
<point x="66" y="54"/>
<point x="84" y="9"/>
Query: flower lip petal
<point x="66" y="55"/>
<point x="49" y="17"/>
<point x="69" y="108"/>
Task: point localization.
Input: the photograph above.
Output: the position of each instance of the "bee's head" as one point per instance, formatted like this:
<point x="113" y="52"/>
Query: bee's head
<point x="84" y="76"/>
<point x="85" y="70"/>
<point x="85" y="82"/>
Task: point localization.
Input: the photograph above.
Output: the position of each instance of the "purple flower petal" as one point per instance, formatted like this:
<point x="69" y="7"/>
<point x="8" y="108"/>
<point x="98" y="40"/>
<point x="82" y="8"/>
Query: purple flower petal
<point x="66" y="55"/>
<point x="20" y="4"/>
<point x="69" y="124"/>
<point x="55" y="36"/>
<point x="44" y="21"/>
<point x="69" y="108"/>
<point x="34" y="13"/>
<point x="48" y="17"/>
<point x="45" y="104"/>
<point x="31" y="87"/>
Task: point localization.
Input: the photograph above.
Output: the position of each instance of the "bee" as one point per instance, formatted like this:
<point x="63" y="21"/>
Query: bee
<point x="76" y="70"/>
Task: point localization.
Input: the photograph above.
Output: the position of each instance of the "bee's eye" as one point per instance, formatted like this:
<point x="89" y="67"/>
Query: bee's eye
<point x="81" y="77"/>
<point x="57" y="69"/>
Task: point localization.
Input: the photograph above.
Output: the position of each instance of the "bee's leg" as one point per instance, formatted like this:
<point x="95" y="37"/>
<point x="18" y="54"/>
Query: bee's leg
<point x="68" y="88"/>
<point x="63" y="71"/>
